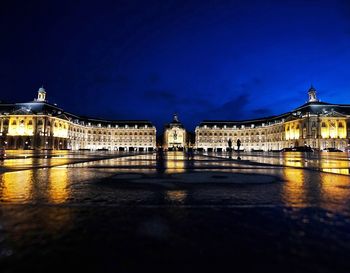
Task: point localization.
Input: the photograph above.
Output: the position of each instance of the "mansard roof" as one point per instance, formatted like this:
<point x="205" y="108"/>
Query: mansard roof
<point x="45" y="108"/>
<point x="175" y="123"/>
<point x="315" y="108"/>
<point x="321" y="108"/>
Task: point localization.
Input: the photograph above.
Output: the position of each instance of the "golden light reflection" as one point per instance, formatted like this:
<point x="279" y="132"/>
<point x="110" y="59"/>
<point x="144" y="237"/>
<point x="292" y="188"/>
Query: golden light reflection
<point x="335" y="166"/>
<point x="175" y="162"/>
<point x="337" y="171"/>
<point x="293" y="159"/>
<point x="176" y="196"/>
<point x="16" y="186"/>
<point x="58" y="181"/>
<point x="294" y="186"/>
<point x="335" y="190"/>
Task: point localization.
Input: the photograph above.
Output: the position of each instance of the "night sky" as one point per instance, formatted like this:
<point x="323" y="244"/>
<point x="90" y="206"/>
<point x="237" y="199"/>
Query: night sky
<point x="202" y="59"/>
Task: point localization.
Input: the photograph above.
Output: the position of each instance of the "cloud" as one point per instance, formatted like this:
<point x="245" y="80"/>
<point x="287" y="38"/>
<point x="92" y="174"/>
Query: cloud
<point x="166" y="96"/>
<point x="233" y="109"/>
<point x="262" y="112"/>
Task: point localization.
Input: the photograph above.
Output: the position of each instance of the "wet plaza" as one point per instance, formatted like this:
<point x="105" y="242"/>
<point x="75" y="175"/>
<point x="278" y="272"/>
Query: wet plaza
<point x="175" y="212"/>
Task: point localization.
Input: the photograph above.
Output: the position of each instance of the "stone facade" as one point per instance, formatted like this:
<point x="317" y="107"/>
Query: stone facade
<point x="175" y="137"/>
<point x="316" y="124"/>
<point x="40" y="125"/>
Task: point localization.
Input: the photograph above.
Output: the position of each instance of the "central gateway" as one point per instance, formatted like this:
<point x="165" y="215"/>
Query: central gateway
<point x="174" y="135"/>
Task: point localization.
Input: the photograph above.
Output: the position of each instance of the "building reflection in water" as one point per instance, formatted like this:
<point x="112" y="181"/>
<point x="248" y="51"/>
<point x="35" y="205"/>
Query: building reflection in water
<point x="175" y="162"/>
<point x="58" y="182"/>
<point x="294" y="186"/>
<point x="177" y="196"/>
<point x="33" y="186"/>
<point x="303" y="187"/>
<point x="335" y="191"/>
<point x="335" y="166"/>
<point x="16" y="186"/>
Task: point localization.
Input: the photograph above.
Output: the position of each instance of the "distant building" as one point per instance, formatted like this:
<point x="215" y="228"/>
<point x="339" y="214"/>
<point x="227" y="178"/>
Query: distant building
<point x="316" y="124"/>
<point x="41" y="125"/>
<point x="175" y="135"/>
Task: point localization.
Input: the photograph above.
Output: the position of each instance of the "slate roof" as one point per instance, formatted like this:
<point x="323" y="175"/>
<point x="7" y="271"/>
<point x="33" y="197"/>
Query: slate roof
<point x="45" y="108"/>
<point x="316" y="108"/>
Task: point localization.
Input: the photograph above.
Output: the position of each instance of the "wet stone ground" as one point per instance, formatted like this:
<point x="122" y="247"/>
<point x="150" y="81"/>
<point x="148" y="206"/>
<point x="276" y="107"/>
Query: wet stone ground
<point x="110" y="212"/>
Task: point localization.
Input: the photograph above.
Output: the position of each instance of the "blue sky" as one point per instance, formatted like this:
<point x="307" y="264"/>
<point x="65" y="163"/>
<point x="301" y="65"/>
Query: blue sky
<point x="202" y="59"/>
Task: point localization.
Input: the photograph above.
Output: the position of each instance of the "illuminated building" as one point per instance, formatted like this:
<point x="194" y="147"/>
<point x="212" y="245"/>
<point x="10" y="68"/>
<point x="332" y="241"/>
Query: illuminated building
<point x="41" y="125"/>
<point x="175" y="135"/>
<point x="316" y="124"/>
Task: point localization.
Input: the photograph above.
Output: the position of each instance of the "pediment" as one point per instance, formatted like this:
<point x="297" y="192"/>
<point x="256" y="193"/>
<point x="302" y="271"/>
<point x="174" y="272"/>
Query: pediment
<point x="22" y="111"/>
<point x="333" y="113"/>
<point x="63" y="116"/>
<point x="291" y="117"/>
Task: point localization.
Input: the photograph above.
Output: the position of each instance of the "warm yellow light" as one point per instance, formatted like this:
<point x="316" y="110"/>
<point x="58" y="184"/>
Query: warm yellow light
<point x="60" y="129"/>
<point x="175" y="162"/>
<point x="294" y="186"/>
<point x="19" y="128"/>
<point x="16" y="186"/>
<point x="324" y="132"/>
<point x="334" y="190"/>
<point x="333" y="133"/>
<point x="176" y="196"/>
<point x="58" y="181"/>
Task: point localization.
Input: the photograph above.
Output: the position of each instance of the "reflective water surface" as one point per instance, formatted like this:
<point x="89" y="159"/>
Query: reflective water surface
<point x="292" y="206"/>
<point x="64" y="178"/>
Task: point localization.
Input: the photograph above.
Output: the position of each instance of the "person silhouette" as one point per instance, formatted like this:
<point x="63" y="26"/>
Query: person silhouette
<point x="238" y="144"/>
